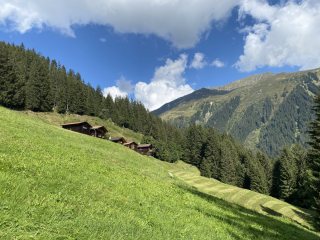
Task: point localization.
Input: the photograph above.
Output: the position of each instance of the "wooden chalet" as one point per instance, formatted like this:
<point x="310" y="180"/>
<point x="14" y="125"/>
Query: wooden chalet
<point x="98" y="131"/>
<point x="145" y="149"/>
<point x="80" y="127"/>
<point x="131" y="145"/>
<point x="120" y="140"/>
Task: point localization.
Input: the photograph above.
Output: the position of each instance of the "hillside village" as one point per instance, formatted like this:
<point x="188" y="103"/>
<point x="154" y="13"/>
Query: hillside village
<point x="101" y="132"/>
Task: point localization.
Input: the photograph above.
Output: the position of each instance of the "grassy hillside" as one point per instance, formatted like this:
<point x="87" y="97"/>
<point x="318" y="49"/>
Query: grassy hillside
<point x="249" y="199"/>
<point x="57" y="184"/>
<point x="267" y="111"/>
<point x="114" y="130"/>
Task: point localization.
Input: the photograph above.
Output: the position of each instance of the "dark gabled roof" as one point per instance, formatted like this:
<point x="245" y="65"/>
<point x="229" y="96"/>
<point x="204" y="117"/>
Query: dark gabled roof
<point x="75" y="124"/>
<point x="144" y="145"/>
<point x="129" y="143"/>
<point x="117" y="139"/>
<point x="99" y="127"/>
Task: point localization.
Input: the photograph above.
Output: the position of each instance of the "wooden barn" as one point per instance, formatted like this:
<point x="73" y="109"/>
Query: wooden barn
<point x="145" y="149"/>
<point x="120" y="140"/>
<point x="98" y="131"/>
<point x="80" y="127"/>
<point x="131" y="145"/>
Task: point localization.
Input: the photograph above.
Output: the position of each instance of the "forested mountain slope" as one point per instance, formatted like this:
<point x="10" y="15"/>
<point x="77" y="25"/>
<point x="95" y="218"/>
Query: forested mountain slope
<point x="266" y="111"/>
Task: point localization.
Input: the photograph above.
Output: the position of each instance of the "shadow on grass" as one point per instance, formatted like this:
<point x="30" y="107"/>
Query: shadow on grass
<point x="270" y="211"/>
<point x="245" y="223"/>
<point x="307" y="215"/>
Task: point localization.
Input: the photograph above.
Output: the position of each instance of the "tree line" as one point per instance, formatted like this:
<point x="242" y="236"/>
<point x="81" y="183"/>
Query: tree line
<point x="28" y="81"/>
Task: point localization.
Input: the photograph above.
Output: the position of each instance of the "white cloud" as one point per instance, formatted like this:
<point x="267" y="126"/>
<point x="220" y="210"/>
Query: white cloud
<point x="178" y="21"/>
<point x="103" y="40"/>
<point x="122" y="89"/>
<point x="125" y="85"/>
<point x="198" y="61"/>
<point x="217" y="63"/>
<point x="114" y="92"/>
<point x="283" y="35"/>
<point x="166" y="85"/>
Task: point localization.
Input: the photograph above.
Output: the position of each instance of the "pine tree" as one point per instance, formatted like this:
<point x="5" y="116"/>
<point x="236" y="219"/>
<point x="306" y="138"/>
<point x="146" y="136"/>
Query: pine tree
<point x="38" y="94"/>
<point x="228" y="162"/>
<point x="256" y="177"/>
<point x="194" y="145"/>
<point x="210" y="165"/>
<point x="11" y="80"/>
<point x="266" y="163"/>
<point x="61" y="94"/>
<point x="302" y="196"/>
<point x="288" y="174"/>
<point x="314" y="159"/>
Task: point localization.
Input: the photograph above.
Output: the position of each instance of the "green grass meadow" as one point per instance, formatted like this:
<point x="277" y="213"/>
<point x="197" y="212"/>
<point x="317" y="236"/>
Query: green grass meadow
<point x="57" y="184"/>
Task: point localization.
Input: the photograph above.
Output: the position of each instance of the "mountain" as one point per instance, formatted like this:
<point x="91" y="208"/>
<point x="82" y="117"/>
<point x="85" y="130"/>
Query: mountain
<point x="58" y="184"/>
<point x="267" y="111"/>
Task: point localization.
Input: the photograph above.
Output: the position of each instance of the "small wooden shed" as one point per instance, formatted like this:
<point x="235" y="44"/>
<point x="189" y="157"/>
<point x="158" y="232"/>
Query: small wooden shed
<point x="98" y="131"/>
<point x="80" y="127"/>
<point x="145" y="149"/>
<point x="131" y="145"/>
<point x="120" y="140"/>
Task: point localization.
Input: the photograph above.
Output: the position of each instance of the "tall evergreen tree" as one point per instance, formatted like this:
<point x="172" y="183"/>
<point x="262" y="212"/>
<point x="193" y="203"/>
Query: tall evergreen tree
<point x="194" y="145"/>
<point x="38" y="94"/>
<point x="314" y="159"/>
<point x="210" y="165"/>
<point x="288" y="174"/>
<point x="229" y="158"/>
<point x="11" y="82"/>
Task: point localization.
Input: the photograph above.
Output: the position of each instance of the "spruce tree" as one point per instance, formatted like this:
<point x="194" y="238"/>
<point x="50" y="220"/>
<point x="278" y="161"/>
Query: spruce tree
<point x="38" y="94"/>
<point x="11" y="81"/>
<point x="228" y="162"/>
<point x="210" y="165"/>
<point x="194" y="145"/>
<point x="314" y="159"/>
<point x="288" y="174"/>
<point x="256" y="176"/>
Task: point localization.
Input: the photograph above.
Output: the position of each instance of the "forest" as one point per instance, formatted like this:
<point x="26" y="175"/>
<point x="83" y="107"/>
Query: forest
<point x="29" y="81"/>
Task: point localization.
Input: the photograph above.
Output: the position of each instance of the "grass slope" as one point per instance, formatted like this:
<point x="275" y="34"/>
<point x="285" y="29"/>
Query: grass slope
<point x="249" y="199"/>
<point x="57" y="184"/>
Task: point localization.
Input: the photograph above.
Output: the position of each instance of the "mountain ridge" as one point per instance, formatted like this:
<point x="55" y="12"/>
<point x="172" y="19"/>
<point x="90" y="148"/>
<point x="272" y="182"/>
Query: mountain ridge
<point x="265" y="111"/>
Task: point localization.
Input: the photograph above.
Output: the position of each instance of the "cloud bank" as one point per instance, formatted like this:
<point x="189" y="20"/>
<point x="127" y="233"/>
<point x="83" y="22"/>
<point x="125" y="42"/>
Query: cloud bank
<point x="178" y="21"/>
<point x="167" y="84"/>
<point x="198" y="61"/>
<point x="122" y="89"/>
<point x="283" y="35"/>
<point x="217" y="63"/>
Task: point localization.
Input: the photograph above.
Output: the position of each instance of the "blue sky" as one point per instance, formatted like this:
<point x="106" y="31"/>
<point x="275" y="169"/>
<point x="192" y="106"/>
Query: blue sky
<point x="158" y="50"/>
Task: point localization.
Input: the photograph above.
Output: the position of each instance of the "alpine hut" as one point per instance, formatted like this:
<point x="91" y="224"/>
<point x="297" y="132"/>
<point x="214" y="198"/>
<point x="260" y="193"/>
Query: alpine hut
<point x="131" y="145"/>
<point x="98" y="131"/>
<point x="120" y="140"/>
<point x="145" y="149"/>
<point x="80" y="127"/>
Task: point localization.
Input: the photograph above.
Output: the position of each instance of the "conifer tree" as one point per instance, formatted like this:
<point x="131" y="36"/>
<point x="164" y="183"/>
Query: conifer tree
<point x="11" y="82"/>
<point x="228" y="166"/>
<point x="38" y="94"/>
<point x="255" y="174"/>
<point x="288" y="174"/>
<point x="314" y="159"/>
<point x="194" y="145"/>
<point x="210" y="165"/>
